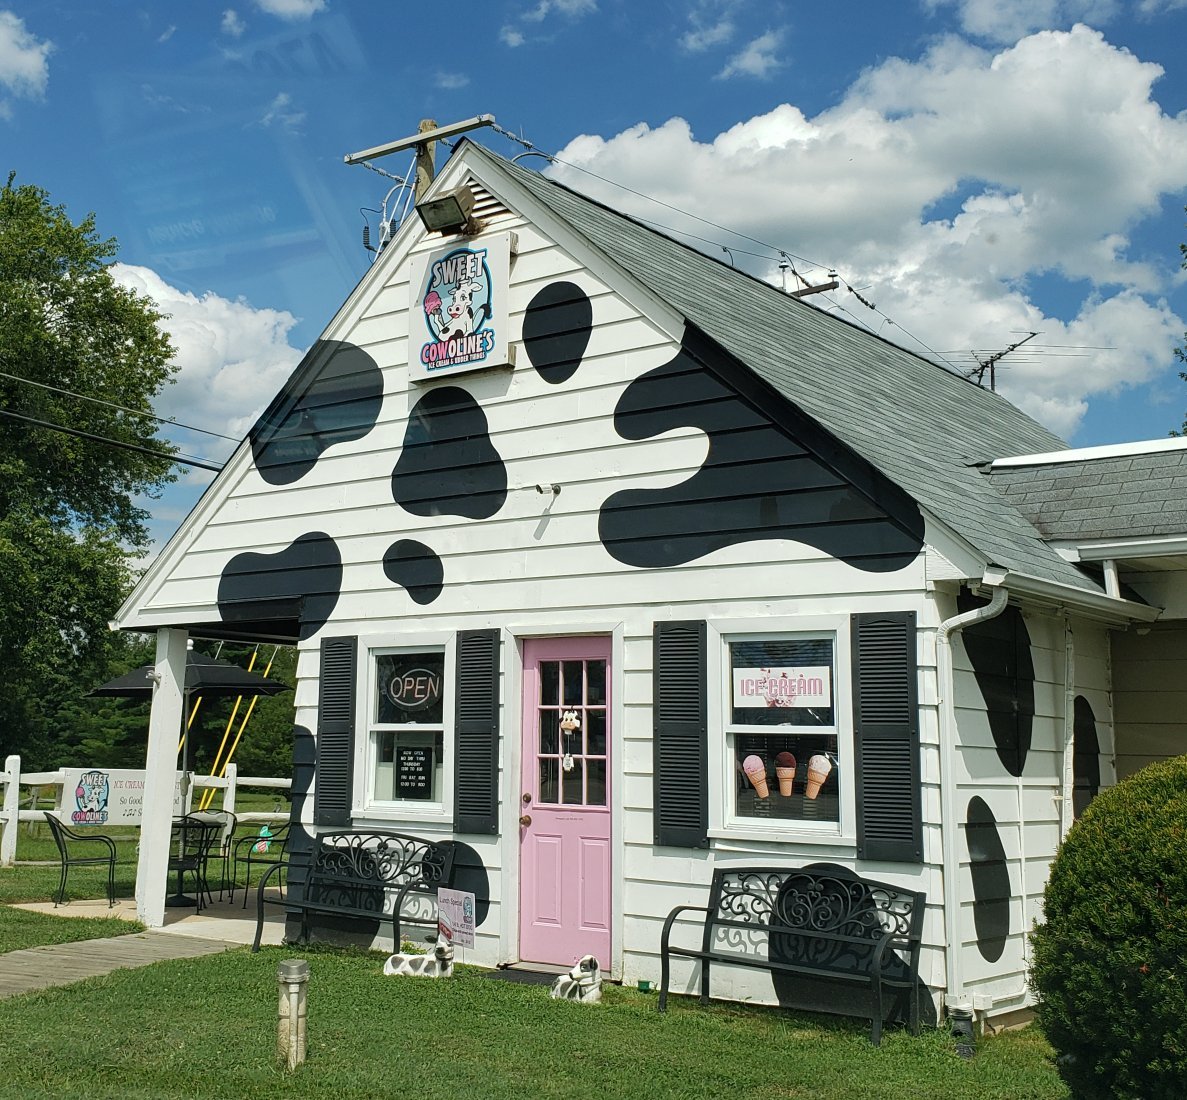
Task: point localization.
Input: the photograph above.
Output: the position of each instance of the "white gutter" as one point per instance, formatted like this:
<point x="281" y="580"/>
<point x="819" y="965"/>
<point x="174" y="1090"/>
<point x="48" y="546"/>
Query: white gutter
<point x="1090" y="605"/>
<point x="954" y="996"/>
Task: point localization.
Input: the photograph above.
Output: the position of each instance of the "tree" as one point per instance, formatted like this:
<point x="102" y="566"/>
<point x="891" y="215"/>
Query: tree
<point x="70" y="527"/>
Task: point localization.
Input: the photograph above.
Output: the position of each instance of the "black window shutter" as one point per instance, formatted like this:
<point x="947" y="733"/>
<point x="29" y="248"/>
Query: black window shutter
<point x="333" y="784"/>
<point x="886" y="737"/>
<point x="681" y="737"/>
<point x="476" y="739"/>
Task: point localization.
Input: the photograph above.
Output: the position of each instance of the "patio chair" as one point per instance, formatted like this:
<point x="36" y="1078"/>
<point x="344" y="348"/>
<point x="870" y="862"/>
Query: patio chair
<point x="194" y="837"/>
<point x="224" y="846"/>
<point x="260" y="852"/>
<point x="71" y="844"/>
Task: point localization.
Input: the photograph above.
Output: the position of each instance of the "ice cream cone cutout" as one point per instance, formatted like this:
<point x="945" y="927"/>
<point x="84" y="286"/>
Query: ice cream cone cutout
<point x="756" y="772"/>
<point x="785" y="772"/>
<point x="818" y="768"/>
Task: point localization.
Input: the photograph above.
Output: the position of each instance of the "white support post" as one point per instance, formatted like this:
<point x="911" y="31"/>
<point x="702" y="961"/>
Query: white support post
<point x="12" y="805"/>
<point x="160" y="775"/>
<point x="229" y="791"/>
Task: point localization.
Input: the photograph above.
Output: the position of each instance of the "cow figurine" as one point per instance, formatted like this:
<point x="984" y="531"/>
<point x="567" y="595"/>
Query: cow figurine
<point x="438" y="963"/>
<point x="582" y="984"/>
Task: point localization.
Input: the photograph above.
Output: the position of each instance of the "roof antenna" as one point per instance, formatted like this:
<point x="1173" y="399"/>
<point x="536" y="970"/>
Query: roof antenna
<point x="990" y="364"/>
<point x="424" y="141"/>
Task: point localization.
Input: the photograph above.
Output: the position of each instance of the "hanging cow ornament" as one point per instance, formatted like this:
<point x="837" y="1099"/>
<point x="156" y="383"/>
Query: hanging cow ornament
<point x="570" y="724"/>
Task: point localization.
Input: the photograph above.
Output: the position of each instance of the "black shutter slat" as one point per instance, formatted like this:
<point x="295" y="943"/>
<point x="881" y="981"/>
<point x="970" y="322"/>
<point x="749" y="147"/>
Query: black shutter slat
<point x="335" y="731"/>
<point x="680" y="725"/>
<point x="476" y="733"/>
<point x="886" y="737"/>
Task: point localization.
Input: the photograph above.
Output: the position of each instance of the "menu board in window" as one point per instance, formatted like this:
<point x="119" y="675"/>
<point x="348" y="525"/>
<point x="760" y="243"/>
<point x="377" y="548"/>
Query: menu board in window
<point x="414" y="772"/>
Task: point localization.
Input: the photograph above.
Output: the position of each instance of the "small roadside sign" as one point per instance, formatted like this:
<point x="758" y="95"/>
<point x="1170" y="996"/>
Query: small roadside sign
<point x="455" y="916"/>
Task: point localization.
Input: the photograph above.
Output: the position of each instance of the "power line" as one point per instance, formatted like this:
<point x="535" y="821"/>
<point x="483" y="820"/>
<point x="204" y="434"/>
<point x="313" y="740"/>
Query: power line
<point x="778" y="252"/>
<point x="172" y="459"/>
<point x="113" y="405"/>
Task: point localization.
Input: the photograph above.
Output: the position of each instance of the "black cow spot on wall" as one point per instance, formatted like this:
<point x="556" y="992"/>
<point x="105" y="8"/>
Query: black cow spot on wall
<point x="556" y="330"/>
<point x="1085" y="756"/>
<point x="332" y="397"/>
<point x="470" y="875"/>
<point x="305" y="578"/>
<point x="449" y="466"/>
<point x="300" y="842"/>
<point x="758" y="481"/>
<point x="416" y="567"/>
<point x="999" y="651"/>
<point x="991" y="880"/>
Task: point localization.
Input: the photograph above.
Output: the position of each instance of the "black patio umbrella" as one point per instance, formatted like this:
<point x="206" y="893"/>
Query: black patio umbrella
<point x="204" y="675"/>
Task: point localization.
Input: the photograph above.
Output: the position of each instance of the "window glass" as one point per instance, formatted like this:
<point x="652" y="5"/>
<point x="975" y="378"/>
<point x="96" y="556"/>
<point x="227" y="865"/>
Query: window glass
<point x="409" y="688"/>
<point x="407" y="737"/>
<point x="781" y="746"/>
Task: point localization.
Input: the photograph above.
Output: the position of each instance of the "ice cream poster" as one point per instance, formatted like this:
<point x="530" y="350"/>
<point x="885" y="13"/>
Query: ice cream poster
<point x="457" y="317"/>
<point x="783" y="687"/>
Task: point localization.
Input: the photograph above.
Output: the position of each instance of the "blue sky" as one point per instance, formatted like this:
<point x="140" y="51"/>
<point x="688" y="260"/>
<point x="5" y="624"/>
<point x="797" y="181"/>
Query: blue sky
<point x="974" y="169"/>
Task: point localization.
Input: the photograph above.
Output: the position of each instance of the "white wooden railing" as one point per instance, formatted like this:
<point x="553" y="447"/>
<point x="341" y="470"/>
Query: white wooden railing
<point x="11" y="815"/>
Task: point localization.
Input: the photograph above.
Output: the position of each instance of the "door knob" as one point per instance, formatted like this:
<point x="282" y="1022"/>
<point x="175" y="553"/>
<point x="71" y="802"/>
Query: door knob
<point x="526" y="819"/>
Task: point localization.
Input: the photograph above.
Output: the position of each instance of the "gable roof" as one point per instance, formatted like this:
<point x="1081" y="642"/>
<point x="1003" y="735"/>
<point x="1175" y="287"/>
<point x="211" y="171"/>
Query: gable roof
<point x="927" y="429"/>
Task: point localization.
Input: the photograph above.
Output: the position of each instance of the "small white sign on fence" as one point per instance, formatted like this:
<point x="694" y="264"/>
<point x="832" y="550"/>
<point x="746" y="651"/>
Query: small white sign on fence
<point x="107" y="796"/>
<point x="455" y="916"/>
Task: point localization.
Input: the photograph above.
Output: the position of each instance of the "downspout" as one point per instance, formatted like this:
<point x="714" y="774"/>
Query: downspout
<point x="1069" y="726"/>
<point x="954" y="996"/>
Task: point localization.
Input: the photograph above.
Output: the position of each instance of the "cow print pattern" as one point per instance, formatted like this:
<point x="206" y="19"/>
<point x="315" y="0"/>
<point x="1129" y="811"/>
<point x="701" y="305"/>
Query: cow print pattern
<point x="307" y="574"/>
<point x="1085" y="756"/>
<point x="999" y="651"/>
<point x="991" y="880"/>
<point x="758" y="481"/>
<point x="333" y="397"/>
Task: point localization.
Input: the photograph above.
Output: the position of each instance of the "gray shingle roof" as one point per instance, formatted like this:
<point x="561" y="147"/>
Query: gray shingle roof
<point x="1128" y="496"/>
<point x="924" y="427"/>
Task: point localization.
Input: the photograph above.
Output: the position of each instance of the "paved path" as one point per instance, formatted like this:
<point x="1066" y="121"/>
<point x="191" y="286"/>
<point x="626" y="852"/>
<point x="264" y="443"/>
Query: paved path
<point x="61" y="964"/>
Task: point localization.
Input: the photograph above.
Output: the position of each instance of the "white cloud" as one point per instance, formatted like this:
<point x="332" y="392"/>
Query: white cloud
<point x="232" y="359"/>
<point x="24" y="61"/>
<point x="232" y="25"/>
<point x="1157" y="7"/>
<point x="947" y="186"/>
<point x="281" y="113"/>
<point x="291" y="9"/>
<point x="167" y="33"/>
<point x="509" y="36"/>
<point x="1008" y="20"/>
<point x="571" y="8"/>
<point x="710" y="24"/>
<point x="756" y="59"/>
<point x="451" y="81"/>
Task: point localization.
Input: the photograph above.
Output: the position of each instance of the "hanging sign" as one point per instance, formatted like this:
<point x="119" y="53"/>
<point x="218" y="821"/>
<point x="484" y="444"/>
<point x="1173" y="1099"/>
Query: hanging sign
<point x="107" y="796"/>
<point x="457" y="319"/>
<point x="783" y="687"/>
<point x="455" y="916"/>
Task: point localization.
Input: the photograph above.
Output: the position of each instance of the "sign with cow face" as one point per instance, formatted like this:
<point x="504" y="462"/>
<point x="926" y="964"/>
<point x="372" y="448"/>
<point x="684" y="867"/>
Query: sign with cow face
<point x="458" y="311"/>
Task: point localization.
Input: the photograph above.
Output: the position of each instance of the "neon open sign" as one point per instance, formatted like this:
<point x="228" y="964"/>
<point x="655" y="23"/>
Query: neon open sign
<point x="415" y="689"/>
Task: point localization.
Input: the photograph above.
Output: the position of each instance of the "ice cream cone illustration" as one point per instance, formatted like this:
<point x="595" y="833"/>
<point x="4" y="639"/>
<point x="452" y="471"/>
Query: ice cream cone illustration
<point x="818" y="768"/>
<point x="785" y="772"/>
<point x="756" y="772"/>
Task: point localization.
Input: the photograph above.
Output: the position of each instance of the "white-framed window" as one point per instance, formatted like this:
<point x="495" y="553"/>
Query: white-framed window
<point x="785" y="740"/>
<point x="408" y="709"/>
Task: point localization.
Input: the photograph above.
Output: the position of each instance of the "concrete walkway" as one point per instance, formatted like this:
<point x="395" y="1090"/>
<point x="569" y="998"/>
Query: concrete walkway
<point x="186" y="935"/>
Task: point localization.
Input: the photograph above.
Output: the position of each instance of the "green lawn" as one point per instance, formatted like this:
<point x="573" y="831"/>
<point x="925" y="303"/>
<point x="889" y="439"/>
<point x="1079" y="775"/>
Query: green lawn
<point x="206" y="1028"/>
<point x="19" y="928"/>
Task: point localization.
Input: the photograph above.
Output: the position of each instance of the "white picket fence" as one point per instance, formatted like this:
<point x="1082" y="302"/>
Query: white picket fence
<point x="11" y="815"/>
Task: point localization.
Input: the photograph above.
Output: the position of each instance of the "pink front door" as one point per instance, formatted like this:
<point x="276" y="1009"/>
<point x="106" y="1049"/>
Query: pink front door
<point x="564" y="833"/>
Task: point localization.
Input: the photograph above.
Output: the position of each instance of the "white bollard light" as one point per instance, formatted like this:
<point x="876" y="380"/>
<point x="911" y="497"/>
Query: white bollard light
<point x="293" y="979"/>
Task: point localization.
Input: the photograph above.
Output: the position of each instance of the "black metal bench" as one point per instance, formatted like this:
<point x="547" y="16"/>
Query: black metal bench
<point x="364" y="875"/>
<point x="820" y="923"/>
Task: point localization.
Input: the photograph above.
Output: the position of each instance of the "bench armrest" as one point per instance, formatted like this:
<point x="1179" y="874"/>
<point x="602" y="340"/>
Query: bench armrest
<point x="276" y="868"/>
<point x="671" y="920"/>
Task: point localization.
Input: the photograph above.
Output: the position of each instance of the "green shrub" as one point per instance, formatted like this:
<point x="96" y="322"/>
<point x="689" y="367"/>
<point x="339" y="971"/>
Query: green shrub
<point x="1110" y="963"/>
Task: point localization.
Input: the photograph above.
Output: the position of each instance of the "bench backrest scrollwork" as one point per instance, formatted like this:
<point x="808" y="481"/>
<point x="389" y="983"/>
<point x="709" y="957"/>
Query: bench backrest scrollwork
<point x="363" y="870"/>
<point x="823" y="919"/>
